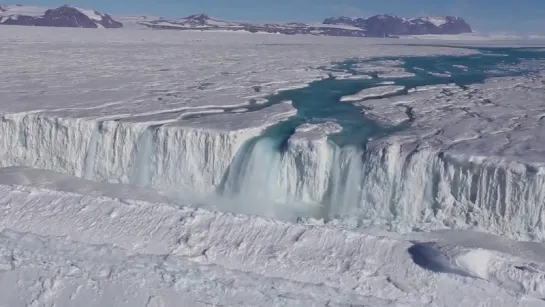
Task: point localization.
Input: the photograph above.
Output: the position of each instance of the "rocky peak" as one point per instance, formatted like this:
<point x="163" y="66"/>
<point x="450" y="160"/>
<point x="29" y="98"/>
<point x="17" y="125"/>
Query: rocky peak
<point x="63" y="16"/>
<point x="200" y="19"/>
<point x="384" y="25"/>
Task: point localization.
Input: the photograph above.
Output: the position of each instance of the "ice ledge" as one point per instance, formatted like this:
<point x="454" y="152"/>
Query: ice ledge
<point x="500" y="118"/>
<point x="316" y="131"/>
<point x="170" y="157"/>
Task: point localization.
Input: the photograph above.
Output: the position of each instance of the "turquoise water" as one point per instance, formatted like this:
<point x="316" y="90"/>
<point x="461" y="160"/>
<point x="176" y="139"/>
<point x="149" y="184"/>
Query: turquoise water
<point x="252" y="174"/>
<point x="320" y="101"/>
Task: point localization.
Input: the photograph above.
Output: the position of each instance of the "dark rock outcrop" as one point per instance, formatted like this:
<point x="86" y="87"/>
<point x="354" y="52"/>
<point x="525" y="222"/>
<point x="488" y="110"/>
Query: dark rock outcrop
<point x="65" y="16"/>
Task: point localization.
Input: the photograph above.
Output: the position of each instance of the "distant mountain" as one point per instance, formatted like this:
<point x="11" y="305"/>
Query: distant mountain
<point x="134" y="21"/>
<point x="64" y="16"/>
<point x="391" y="25"/>
<point x="376" y="26"/>
<point x="204" y="22"/>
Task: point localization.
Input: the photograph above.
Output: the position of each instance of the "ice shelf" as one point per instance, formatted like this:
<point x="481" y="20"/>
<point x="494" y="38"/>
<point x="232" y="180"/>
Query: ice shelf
<point x="151" y="168"/>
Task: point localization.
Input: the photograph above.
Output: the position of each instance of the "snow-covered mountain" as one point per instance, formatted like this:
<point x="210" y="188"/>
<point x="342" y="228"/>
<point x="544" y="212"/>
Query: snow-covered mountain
<point x="391" y="25"/>
<point x="204" y="22"/>
<point x="64" y="16"/>
<point x="134" y="21"/>
<point x="376" y="26"/>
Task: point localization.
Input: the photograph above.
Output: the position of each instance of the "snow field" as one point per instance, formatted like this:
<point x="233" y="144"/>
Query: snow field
<point x="166" y="253"/>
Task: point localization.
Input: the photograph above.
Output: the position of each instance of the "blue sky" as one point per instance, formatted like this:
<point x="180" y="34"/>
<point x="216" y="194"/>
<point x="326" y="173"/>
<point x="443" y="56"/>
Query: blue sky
<point x="483" y="15"/>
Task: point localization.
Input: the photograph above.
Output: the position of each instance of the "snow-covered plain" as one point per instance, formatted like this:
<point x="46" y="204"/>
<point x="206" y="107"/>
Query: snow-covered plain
<point x="480" y="37"/>
<point x="109" y="147"/>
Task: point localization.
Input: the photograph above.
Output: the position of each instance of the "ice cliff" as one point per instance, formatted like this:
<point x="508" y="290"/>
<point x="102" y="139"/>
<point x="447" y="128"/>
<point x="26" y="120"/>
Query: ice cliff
<point x="390" y="183"/>
<point x="163" y="156"/>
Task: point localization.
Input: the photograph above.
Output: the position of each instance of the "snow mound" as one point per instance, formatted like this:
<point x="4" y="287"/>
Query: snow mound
<point x="476" y="262"/>
<point x="506" y="271"/>
<point x="451" y="259"/>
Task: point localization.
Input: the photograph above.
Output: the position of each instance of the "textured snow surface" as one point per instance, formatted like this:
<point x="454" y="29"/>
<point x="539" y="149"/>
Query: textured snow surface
<point x="166" y="73"/>
<point x="130" y="253"/>
<point x="501" y="117"/>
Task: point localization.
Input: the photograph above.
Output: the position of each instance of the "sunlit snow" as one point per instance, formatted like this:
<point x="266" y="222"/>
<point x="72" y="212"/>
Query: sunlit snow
<point x="161" y="168"/>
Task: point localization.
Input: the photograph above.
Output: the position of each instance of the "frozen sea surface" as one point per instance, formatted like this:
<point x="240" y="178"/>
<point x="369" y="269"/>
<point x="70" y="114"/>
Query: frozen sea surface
<point x="157" y="168"/>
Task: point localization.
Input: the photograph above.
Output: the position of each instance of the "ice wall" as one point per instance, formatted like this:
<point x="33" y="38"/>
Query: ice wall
<point x="165" y="157"/>
<point x="402" y="186"/>
<point x="398" y="186"/>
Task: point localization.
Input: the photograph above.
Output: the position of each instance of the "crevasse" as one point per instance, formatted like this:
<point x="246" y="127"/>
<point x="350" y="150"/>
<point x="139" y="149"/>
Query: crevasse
<point x="396" y="186"/>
